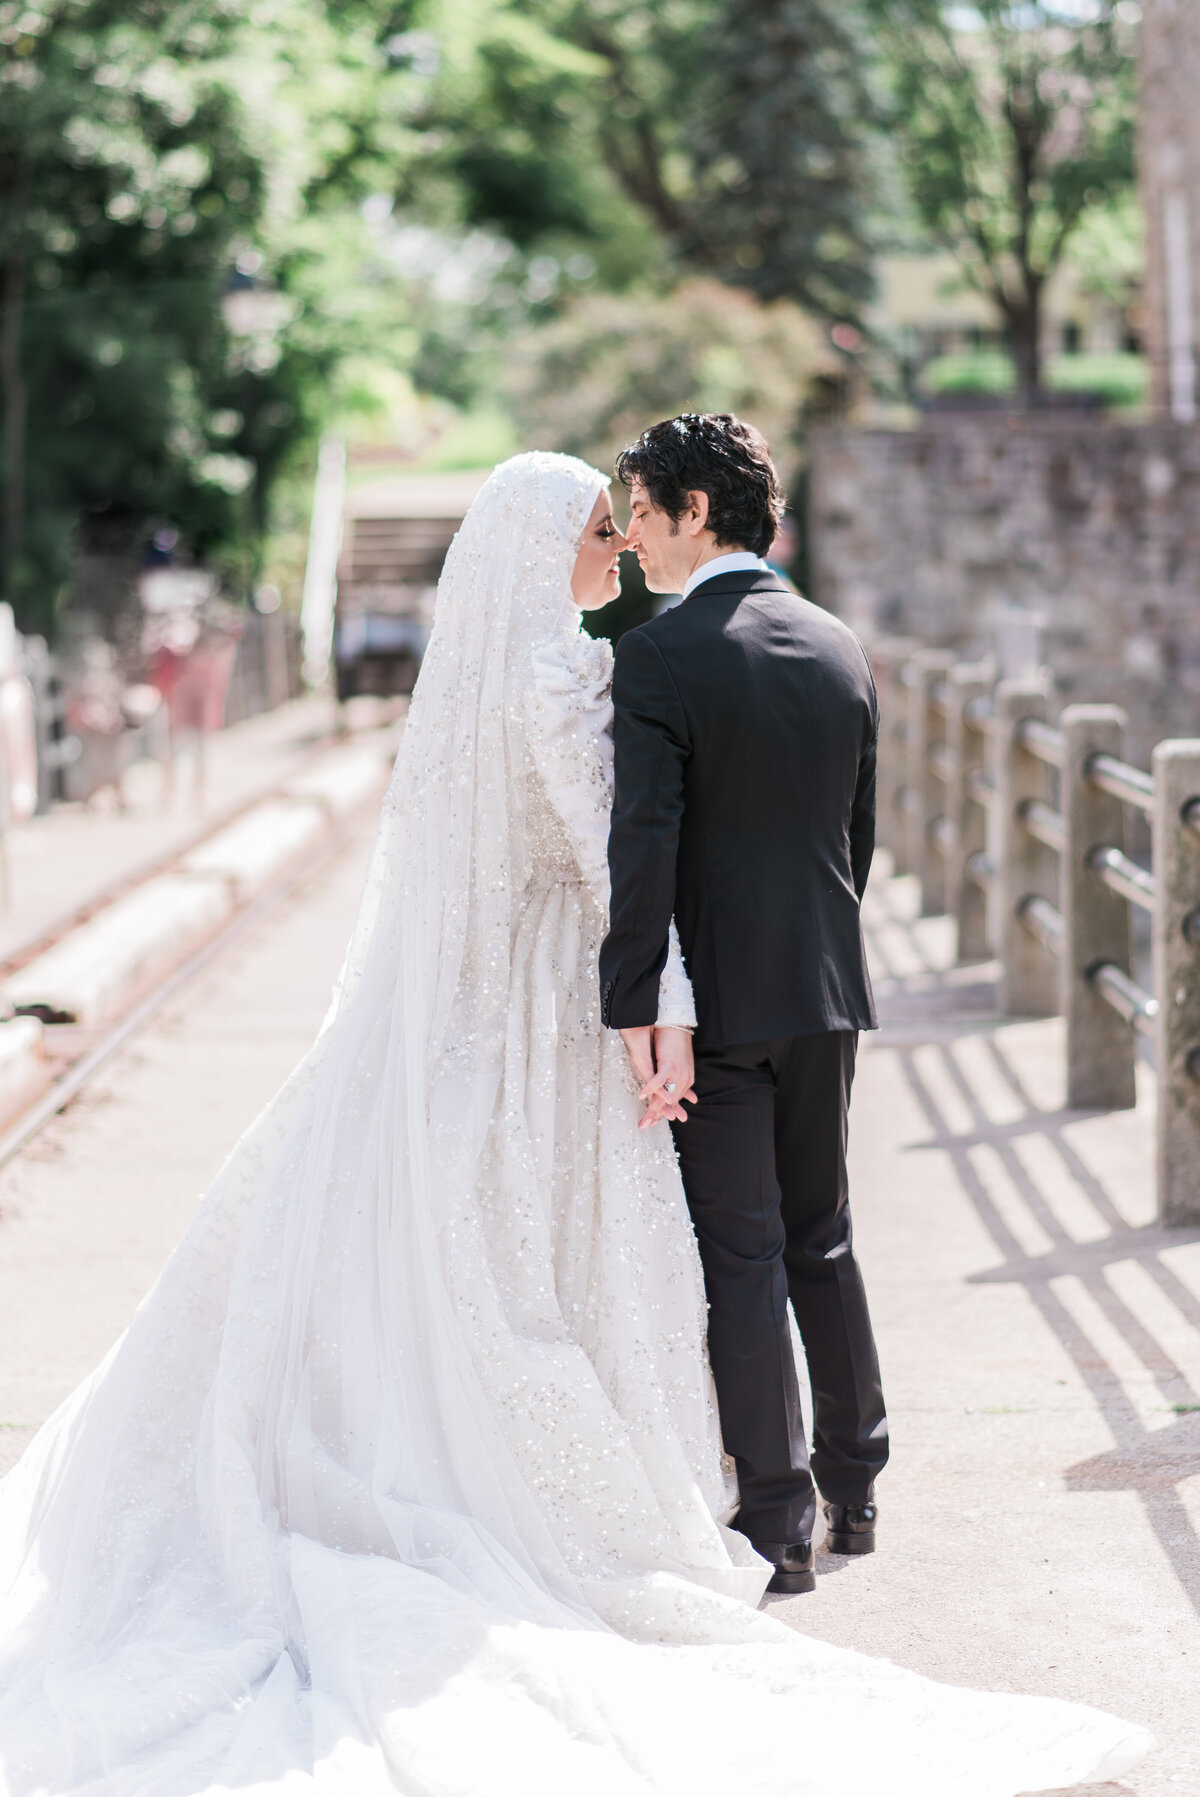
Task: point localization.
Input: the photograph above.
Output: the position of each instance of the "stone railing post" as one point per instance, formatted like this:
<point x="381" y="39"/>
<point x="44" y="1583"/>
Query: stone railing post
<point x="1023" y="866"/>
<point x="966" y="743"/>
<point x="274" y="657"/>
<point x="1176" y="826"/>
<point x="925" y="796"/>
<point x="1101" y="1047"/>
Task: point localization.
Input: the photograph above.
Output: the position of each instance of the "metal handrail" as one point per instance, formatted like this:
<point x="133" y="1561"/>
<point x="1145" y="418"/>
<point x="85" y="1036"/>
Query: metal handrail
<point x="980" y="868"/>
<point x="1122" y="876"/>
<point x="979" y="787"/>
<point x="1044" y="823"/>
<point x="1043" y="920"/>
<point x="964" y="744"/>
<point x="1129" y="784"/>
<point x="1129" y="1000"/>
<point x="1042" y="740"/>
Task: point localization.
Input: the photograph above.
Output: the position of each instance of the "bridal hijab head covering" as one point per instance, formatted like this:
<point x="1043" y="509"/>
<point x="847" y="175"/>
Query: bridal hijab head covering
<point x="453" y="849"/>
<point x="292" y="1535"/>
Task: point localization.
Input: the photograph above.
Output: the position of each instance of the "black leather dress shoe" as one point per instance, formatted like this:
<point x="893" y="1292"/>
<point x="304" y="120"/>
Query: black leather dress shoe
<point x="794" y="1568"/>
<point x="849" y="1528"/>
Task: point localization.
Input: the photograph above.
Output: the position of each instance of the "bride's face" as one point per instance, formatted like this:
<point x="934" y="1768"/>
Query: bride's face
<point x="596" y="577"/>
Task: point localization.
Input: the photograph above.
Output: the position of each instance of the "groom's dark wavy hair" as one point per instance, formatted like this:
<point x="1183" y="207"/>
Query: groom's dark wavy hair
<point x="713" y="453"/>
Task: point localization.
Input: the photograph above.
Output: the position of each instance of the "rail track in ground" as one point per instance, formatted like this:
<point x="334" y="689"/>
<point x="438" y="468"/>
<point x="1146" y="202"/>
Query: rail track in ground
<point x="78" y="1053"/>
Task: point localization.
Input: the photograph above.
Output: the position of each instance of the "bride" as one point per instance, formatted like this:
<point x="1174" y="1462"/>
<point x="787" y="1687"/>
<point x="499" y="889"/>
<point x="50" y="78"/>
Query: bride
<point x="406" y="1476"/>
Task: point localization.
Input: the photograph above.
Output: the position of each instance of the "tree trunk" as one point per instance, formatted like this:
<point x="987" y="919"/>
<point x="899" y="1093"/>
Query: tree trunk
<point x="1023" y="330"/>
<point x="12" y="378"/>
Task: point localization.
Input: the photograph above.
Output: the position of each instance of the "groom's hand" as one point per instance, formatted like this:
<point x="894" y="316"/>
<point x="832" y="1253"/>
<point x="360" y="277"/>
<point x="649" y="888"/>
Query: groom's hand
<point x="672" y="1083"/>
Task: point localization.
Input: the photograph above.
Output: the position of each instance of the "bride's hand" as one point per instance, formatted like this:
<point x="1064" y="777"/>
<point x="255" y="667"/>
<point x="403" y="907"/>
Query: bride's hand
<point x="639" y="1046"/>
<point x="672" y="1083"/>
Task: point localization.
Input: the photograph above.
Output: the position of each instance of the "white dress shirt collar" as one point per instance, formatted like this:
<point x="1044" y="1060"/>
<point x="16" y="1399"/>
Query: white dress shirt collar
<point x="740" y="562"/>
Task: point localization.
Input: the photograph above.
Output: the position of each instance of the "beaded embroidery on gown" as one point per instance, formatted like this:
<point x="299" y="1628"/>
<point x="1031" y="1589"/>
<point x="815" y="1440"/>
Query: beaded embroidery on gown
<point x="406" y="1477"/>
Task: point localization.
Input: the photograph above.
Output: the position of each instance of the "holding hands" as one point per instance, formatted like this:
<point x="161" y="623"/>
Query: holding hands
<point x="662" y="1060"/>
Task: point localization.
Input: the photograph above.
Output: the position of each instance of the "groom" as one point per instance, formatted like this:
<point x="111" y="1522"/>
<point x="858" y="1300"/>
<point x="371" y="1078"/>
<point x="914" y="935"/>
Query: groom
<point x="745" y="807"/>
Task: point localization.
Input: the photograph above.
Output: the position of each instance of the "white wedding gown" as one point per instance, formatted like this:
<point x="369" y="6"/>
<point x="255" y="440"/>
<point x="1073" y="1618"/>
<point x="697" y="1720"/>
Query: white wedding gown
<point x="405" y="1477"/>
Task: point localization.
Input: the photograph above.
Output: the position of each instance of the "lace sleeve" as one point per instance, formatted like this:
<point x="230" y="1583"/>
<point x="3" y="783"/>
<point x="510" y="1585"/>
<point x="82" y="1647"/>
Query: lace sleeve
<point x="571" y="736"/>
<point x="676" y="1006"/>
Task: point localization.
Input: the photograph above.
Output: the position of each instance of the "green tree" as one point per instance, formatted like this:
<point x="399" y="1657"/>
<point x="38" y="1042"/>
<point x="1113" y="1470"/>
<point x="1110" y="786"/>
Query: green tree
<point x="182" y="264"/>
<point x="1016" y="119"/>
<point x="510" y="136"/>
<point x="752" y="147"/>
<point x="124" y="183"/>
<point x="657" y="141"/>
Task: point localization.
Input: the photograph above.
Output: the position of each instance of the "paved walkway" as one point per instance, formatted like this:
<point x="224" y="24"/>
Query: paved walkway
<point x="1040" y="1335"/>
<point x="1040" y="1338"/>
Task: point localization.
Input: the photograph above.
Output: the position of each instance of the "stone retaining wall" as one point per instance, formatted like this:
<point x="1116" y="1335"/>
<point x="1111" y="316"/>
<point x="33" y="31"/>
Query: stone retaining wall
<point x="927" y="532"/>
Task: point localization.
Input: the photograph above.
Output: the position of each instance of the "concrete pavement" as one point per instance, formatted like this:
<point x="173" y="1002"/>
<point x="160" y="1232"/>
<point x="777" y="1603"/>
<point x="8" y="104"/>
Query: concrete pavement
<point x="1040" y="1340"/>
<point x="1040" y="1334"/>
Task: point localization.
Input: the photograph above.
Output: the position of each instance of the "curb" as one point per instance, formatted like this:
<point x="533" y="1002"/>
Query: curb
<point x="23" y="1067"/>
<point x="247" y="856"/>
<point x="85" y="977"/>
<point x="107" y="963"/>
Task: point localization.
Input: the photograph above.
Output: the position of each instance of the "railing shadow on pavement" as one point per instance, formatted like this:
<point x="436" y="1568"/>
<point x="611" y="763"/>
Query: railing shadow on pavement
<point x="1103" y="1284"/>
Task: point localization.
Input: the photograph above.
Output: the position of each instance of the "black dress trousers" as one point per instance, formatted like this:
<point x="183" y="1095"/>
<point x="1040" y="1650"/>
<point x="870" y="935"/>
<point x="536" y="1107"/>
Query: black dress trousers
<point x="763" y="1158"/>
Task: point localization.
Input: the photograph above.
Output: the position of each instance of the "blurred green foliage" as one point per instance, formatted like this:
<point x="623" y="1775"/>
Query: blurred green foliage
<point x="589" y="381"/>
<point x="124" y="180"/>
<point x="178" y="253"/>
<point x="652" y="138"/>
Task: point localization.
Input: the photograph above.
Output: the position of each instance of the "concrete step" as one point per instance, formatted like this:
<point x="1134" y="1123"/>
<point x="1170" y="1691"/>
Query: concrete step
<point x="255" y="850"/>
<point x="95" y="972"/>
<point x="23" y="1067"/>
<point x="345" y="779"/>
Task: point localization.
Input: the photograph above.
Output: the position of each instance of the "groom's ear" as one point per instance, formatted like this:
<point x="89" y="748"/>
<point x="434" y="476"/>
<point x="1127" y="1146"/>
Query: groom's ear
<point x="696" y="517"/>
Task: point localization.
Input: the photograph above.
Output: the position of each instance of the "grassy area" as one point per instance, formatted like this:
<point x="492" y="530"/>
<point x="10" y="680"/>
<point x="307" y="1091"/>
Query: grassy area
<point x="474" y="439"/>
<point x="971" y="371"/>
<point x="1119" y="379"/>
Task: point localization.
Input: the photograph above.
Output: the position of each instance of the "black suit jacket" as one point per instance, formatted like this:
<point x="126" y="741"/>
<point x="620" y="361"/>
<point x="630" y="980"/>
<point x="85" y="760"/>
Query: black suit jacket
<point x="744" y="805"/>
